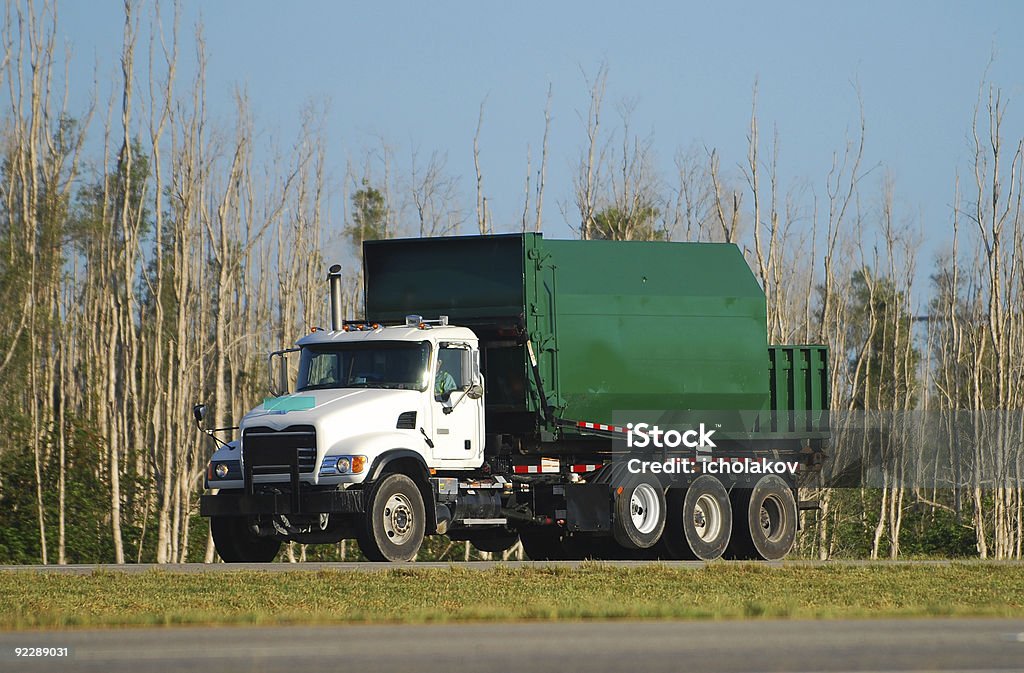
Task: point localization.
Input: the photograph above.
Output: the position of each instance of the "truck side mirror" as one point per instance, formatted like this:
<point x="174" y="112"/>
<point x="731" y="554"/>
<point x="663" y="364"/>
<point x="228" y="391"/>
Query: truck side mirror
<point x="279" y="372"/>
<point x="470" y="369"/>
<point x="475" y="392"/>
<point x="199" y="413"/>
<point x="282" y="376"/>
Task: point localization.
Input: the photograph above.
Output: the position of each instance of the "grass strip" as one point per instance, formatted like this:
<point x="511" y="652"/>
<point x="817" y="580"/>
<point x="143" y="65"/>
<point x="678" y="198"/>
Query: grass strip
<point x="30" y="600"/>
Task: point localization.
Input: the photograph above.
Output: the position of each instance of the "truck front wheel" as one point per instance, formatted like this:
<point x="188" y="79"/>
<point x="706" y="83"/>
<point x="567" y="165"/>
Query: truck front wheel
<point x="235" y="543"/>
<point x="395" y="520"/>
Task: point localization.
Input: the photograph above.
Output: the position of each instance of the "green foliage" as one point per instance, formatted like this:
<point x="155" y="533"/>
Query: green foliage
<point x="369" y="215"/>
<point x="925" y="531"/>
<point x="640" y="224"/>
<point x="98" y="204"/>
<point x="879" y="327"/>
<point x="937" y="532"/>
<point x="959" y="356"/>
<point x="87" y="526"/>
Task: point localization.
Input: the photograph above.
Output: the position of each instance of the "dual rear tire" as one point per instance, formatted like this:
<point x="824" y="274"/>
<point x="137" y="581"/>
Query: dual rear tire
<point x="699" y="522"/>
<point x="767" y="529"/>
<point x="706" y="522"/>
<point x="702" y="522"/>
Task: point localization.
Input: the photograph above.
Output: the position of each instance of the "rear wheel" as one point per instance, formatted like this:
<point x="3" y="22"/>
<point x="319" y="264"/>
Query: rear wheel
<point x="236" y="543"/>
<point x="639" y="513"/>
<point x="707" y="518"/>
<point x="766" y="520"/>
<point x="394" y="524"/>
<point x="673" y="544"/>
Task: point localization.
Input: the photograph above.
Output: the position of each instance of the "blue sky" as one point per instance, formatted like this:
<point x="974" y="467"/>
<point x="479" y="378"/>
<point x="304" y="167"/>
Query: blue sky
<point x="415" y="74"/>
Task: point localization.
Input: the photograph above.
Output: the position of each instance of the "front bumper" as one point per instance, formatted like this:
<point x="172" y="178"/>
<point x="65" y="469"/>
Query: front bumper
<point x="307" y="502"/>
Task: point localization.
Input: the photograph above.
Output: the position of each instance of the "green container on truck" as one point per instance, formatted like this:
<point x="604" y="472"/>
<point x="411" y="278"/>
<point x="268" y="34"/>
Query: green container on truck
<point x="589" y="398"/>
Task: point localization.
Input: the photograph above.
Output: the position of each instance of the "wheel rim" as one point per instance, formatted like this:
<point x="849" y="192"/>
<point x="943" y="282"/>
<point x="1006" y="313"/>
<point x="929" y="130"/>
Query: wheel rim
<point x="398" y="519"/>
<point x="644" y="508"/>
<point x="707" y="518"/>
<point x="771" y="518"/>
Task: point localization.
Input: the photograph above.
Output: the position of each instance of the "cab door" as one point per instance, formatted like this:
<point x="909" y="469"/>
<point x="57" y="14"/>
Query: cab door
<point x="457" y="406"/>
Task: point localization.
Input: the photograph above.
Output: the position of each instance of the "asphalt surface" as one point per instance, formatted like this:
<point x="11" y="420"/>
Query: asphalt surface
<point x="977" y="645"/>
<point x="85" y="569"/>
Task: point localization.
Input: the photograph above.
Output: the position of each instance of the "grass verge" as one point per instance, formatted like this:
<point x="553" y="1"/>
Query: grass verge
<point x="410" y="595"/>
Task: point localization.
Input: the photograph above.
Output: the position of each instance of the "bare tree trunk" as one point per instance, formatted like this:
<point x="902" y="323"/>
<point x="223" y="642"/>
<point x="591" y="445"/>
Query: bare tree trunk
<point x="589" y="176"/>
<point x="542" y="173"/>
<point x="482" y="223"/>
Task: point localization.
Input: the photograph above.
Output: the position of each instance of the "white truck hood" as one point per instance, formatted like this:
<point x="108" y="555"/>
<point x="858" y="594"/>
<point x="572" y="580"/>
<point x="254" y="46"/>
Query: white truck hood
<point x="370" y="408"/>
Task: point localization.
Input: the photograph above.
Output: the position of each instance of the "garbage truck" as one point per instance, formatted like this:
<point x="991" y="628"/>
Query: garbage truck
<point x="589" y="398"/>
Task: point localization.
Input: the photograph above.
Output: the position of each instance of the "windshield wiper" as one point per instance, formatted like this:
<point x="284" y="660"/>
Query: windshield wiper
<point x="319" y="386"/>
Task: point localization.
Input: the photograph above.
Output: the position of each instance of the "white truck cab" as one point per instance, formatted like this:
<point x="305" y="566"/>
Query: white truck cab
<point x="366" y="395"/>
<point x="367" y="390"/>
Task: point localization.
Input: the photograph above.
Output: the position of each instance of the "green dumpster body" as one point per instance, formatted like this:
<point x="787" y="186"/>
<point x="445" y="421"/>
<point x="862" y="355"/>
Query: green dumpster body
<point x="618" y="328"/>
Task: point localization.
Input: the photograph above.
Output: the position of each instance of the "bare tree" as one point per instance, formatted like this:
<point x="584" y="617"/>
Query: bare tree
<point x="482" y="221"/>
<point x="435" y="197"/>
<point x="588" y="179"/>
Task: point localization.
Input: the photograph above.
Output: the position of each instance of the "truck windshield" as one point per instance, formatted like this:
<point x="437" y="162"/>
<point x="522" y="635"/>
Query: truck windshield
<point x="379" y="364"/>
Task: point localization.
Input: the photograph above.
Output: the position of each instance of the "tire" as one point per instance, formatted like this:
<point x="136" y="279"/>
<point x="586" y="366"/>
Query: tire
<point x="740" y="547"/>
<point x="766" y="520"/>
<point x="394" y="524"/>
<point x="639" y="513"/>
<point x="235" y="543"/>
<point x="673" y="545"/>
<point x="707" y="518"/>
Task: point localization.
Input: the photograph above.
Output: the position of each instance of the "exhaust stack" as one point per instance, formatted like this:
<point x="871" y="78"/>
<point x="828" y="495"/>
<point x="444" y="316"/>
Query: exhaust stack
<point x="334" y="281"/>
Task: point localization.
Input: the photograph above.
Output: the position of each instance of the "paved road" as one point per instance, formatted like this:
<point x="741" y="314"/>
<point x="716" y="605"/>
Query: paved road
<point x="85" y="569"/>
<point x="979" y="645"/>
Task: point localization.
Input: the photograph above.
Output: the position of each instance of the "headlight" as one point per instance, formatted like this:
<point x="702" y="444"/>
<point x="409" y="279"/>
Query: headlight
<point x="227" y="469"/>
<point x="342" y="465"/>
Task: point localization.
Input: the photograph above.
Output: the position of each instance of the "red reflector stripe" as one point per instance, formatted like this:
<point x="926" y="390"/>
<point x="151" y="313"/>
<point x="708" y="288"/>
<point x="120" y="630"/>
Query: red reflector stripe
<point x="535" y="469"/>
<point x="586" y="467"/>
<point x="599" y="426"/>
